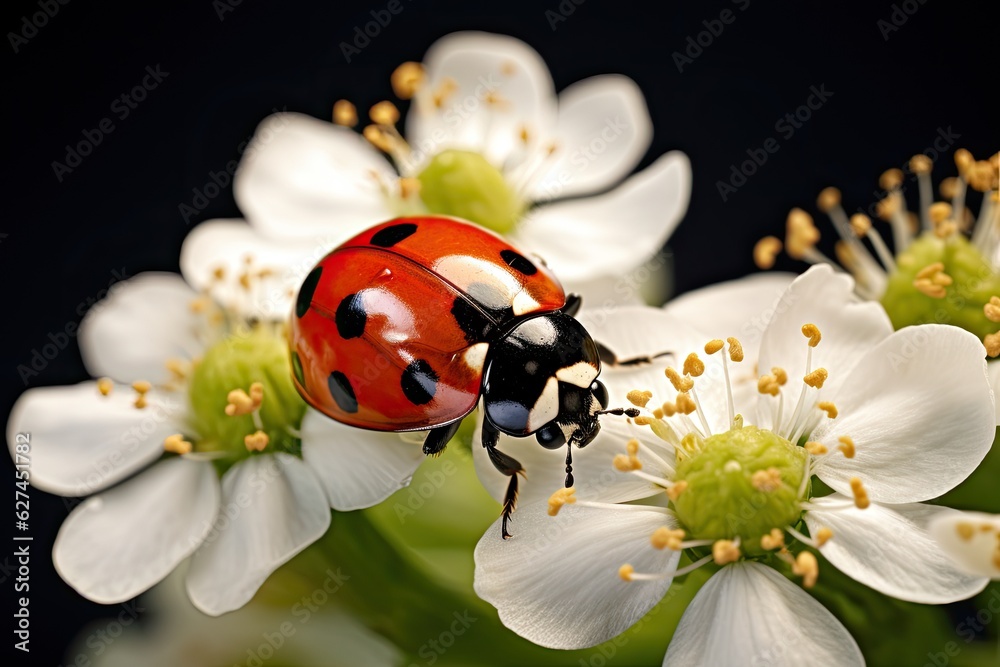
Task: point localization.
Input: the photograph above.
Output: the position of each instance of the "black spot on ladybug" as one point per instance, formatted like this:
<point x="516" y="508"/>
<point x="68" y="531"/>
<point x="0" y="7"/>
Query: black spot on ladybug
<point x="390" y="236"/>
<point x="419" y="382"/>
<point x="300" y="376"/>
<point x="309" y="285"/>
<point x="351" y="317"/>
<point x="342" y="392"/>
<point x="518" y="262"/>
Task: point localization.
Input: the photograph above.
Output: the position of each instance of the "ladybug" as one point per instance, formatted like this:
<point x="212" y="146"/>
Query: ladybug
<point x="409" y="324"/>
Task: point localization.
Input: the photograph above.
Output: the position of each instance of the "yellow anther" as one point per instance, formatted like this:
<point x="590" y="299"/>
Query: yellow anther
<point x="846" y="446"/>
<point x="674" y="491"/>
<point x="444" y="91"/>
<point x="800" y="233"/>
<point x="982" y="176"/>
<point x="141" y="386"/>
<point x="140" y="402"/>
<point x="626" y="571"/>
<point x="890" y="179"/>
<point x="860" y="494"/>
<point x="623" y="463"/>
<point x="963" y="160"/>
<point x="693" y="366"/>
<point x="949" y="187"/>
<point x="669" y="409"/>
<point x="766" y="480"/>
<point x="177" y="368"/>
<point x="685" y="404"/>
<point x="725" y="551"/>
<point x="643" y="420"/>
<point x="920" y="164"/>
<point x="377" y="138"/>
<point x="930" y="288"/>
<point x="639" y="398"/>
<point x="658" y="413"/>
<point x="823" y="536"/>
<point x="965" y="530"/>
<point x="524" y="135"/>
<point x="407" y="79"/>
<point x="768" y="384"/>
<point x="560" y="498"/>
<point x="219" y="273"/>
<point x="765" y="252"/>
<point x="176" y="444"/>
<point x="815" y="448"/>
<point x="735" y="349"/>
<point x="384" y="113"/>
<point x="713" y="346"/>
<point x="992" y="309"/>
<point x="239" y="403"/>
<point x="945" y="228"/>
<point x="494" y="98"/>
<point x="811" y="331"/>
<point x="345" y="113"/>
<point x="939" y="212"/>
<point x="992" y="344"/>
<point x="409" y="187"/>
<point x="816" y="378"/>
<point x="807" y="567"/>
<point x="773" y="540"/>
<point x="105" y="385"/>
<point x="256" y="442"/>
<point x="665" y="538"/>
<point x="861" y="224"/>
<point x="681" y="384"/>
<point x="780" y="376"/>
<point x="632" y="447"/>
<point x="886" y="207"/>
<point x="829" y="408"/>
<point x="245" y="280"/>
<point x="828" y="199"/>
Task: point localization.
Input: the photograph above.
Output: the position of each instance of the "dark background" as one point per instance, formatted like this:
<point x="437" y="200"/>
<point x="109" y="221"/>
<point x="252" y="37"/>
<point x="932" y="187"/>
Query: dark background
<point x="64" y="240"/>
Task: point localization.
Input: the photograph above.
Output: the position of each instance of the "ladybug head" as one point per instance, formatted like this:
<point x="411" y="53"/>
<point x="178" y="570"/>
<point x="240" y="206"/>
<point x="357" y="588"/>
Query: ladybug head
<point x="577" y="422"/>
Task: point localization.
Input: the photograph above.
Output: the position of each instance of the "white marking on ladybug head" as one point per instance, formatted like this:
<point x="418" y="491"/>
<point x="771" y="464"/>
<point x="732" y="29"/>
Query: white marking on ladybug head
<point x="475" y="356"/>
<point x="524" y="303"/>
<point x="538" y="330"/>
<point x="581" y="374"/>
<point x="546" y="408"/>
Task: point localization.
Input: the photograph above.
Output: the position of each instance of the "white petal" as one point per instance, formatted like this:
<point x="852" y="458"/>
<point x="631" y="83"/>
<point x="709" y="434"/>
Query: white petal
<point x="143" y="322"/>
<point x="119" y="543"/>
<point x="888" y="548"/>
<point x="602" y="131"/>
<point x="849" y="328"/>
<point x="971" y="539"/>
<point x="603" y="236"/>
<point x="919" y="409"/>
<point x="748" y="614"/>
<point x="480" y="63"/>
<point x="993" y="370"/>
<point x="302" y="177"/>
<point x="273" y="507"/>
<point x="357" y="468"/>
<point x="556" y="583"/>
<point x="82" y="442"/>
<point x="226" y="243"/>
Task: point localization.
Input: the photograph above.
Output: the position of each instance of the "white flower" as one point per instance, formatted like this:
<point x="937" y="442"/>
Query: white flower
<point x="972" y="539"/>
<point x="192" y="359"/>
<point x="890" y="419"/>
<point x="487" y="140"/>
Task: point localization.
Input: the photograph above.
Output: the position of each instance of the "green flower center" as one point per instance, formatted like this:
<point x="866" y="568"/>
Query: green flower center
<point x="959" y="302"/>
<point x="744" y="482"/>
<point x="236" y="363"/>
<point x="464" y="184"/>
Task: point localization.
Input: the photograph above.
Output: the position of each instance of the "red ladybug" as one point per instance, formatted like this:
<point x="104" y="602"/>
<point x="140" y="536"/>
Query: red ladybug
<point x="407" y="325"/>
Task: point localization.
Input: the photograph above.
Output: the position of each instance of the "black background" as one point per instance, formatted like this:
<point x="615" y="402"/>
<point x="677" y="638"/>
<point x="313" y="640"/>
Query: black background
<point x="118" y="211"/>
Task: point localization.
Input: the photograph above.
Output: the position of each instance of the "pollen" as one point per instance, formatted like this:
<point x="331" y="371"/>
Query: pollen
<point x="658" y="413"/>
<point x="409" y="187"/>
<point x="177" y="368"/>
<point x="444" y="90"/>
<point x="861" y="224"/>
<point x="765" y="252"/>
<point x="965" y="530"/>
<point x="807" y="567"/>
<point x="685" y="404"/>
<point x="675" y="491"/>
<point x="766" y="480"/>
<point x="345" y="113"/>
<point x="141" y="386"/>
<point x="256" y="442"/>
<point x="920" y="164"/>
<point x="377" y="138"/>
<point x="624" y="463"/>
<point x="626" y="571"/>
<point x="725" y="551"/>
<point x="816" y="378"/>
<point x="823" y="535"/>
<point x="219" y="272"/>
<point x="560" y="498"/>
<point x="681" y="384"/>
<point x="176" y="444"/>
<point x="693" y="366"/>
<point x="815" y="448"/>
<point x="105" y="385"/>
<point x="384" y="113"/>
<point x="801" y="234"/>
<point x="811" y="331"/>
<point x="669" y="409"/>
<point x="240" y="403"/>
<point x="200" y="305"/>
<point x="773" y="540"/>
<point x="713" y="346"/>
<point x="632" y="447"/>
<point x="828" y="199"/>
<point x="829" y="408"/>
<point x="939" y="212"/>
<point x="992" y="343"/>
<point x="665" y="538"/>
<point x="846" y="446"/>
<point x="643" y="420"/>
<point x="860" y="494"/>
<point x="992" y="309"/>
<point x="735" y="349"/>
<point x="639" y="398"/>
<point x="407" y="79"/>
<point x="891" y="179"/>
<point x="930" y="288"/>
<point x="768" y="384"/>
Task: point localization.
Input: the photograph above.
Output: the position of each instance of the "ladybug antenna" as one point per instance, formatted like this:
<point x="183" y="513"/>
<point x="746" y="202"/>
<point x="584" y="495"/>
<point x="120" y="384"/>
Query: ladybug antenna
<point x="628" y="412"/>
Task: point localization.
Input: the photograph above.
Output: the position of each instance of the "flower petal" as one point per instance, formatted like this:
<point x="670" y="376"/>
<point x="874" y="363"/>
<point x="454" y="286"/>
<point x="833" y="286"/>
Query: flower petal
<point x="556" y="583"/>
<point x="602" y="131"/>
<point x="481" y="63"/>
<point x="119" y="543"/>
<point x="143" y="322"/>
<point x="849" y="328"/>
<point x="607" y="229"/>
<point x="225" y="244"/>
<point x="273" y="507"/>
<point x="888" y="548"/>
<point x="971" y="539"/>
<point x="993" y="370"/>
<point x="302" y="177"/>
<point x="357" y="468"/>
<point x="82" y="442"/>
<point x="919" y="409"/>
<point x="748" y="614"/>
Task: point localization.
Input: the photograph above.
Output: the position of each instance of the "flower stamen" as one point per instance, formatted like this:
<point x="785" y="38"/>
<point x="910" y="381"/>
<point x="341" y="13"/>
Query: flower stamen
<point x="176" y="444"/>
<point x="861" y="500"/>
<point x="807" y="567"/>
<point x="560" y="498"/>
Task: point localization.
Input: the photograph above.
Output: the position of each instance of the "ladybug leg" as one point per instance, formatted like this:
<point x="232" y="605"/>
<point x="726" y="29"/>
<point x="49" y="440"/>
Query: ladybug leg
<point x="572" y="305"/>
<point x="611" y="359"/>
<point x="437" y="439"/>
<point x="509" y="466"/>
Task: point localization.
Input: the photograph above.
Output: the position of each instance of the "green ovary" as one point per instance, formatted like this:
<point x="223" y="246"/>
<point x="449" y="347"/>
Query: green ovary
<point x="260" y="355"/>
<point x="975" y="281"/>
<point x="721" y="500"/>
<point x="464" y="184"/>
